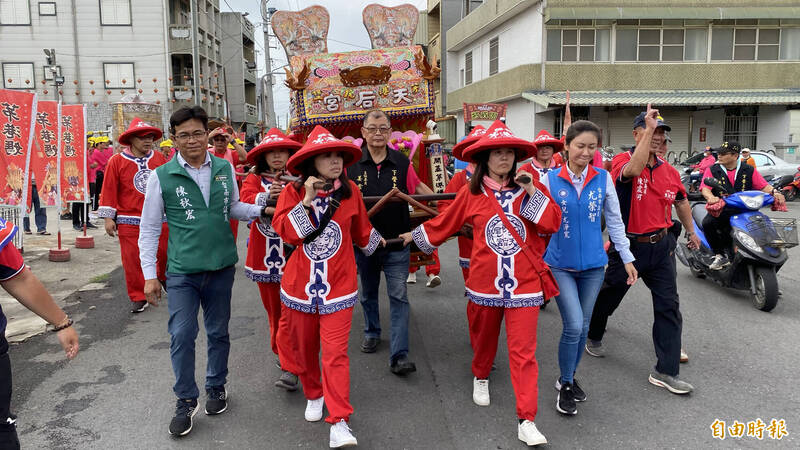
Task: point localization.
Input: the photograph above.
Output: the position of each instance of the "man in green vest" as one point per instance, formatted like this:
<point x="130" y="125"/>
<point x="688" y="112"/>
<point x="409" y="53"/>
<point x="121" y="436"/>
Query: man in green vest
<point x="198" y="195"/>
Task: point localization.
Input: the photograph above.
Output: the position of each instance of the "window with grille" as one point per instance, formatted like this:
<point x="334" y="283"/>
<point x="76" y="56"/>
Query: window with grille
<point x="494" y="55"/>
<point x="115" y="12"/>
<point x="15" y="12"/>
<point x="741" y="125"/>
<point x="468" y="68"/>
<point x="15" y="75"/>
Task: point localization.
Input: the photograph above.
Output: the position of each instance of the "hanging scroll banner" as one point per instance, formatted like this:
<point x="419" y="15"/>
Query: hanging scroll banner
<point x="17" y="114"/>
<point x="73" y="153"/>
<point x="44" y="152"/>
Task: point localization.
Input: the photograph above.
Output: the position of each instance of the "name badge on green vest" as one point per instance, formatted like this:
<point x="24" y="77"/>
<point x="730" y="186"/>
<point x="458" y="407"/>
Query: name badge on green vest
<point x="221" y="178"/>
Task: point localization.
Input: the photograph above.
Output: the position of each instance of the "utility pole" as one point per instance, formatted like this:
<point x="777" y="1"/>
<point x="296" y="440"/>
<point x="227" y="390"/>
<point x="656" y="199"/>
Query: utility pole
<point x="195" y="53"/>
<point x="268" y="106"/>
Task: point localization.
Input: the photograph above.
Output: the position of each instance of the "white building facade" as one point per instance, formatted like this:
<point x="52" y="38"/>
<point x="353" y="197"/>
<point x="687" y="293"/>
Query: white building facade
<point x="715" y="73"/>
<point x="107" y="50"/>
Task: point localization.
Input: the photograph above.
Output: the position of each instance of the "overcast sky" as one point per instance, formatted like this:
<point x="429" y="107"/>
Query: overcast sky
<point x="346" y="33"/>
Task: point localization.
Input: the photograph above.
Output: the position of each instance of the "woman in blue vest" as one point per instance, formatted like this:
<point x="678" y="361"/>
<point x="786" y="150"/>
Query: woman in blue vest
<point x="576" y="253"/>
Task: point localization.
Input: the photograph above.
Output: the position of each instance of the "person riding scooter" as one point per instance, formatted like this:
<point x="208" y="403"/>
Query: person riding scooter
<point x="733" y="175"/>
<point x="700" y="168"/>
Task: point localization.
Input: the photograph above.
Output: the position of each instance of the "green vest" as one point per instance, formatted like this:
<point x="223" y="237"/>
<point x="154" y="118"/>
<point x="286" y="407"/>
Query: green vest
<point x="200" y="236"/>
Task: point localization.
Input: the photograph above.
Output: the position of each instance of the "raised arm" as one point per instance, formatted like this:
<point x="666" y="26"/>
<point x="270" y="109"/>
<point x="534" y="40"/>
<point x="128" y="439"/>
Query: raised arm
<point x="641" y="155"/>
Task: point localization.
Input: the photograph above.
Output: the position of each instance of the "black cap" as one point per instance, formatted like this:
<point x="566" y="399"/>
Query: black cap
<point x="729" y="147"/>
<point x="639" y="122"/>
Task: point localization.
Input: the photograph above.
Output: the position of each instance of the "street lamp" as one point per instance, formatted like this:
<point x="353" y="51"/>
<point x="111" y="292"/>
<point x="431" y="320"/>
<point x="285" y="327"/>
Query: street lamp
<point x="267" y="104"/>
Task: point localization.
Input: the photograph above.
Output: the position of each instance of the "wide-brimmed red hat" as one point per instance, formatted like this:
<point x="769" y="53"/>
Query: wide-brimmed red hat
<point x="322" y="141"/>
<point x="273" y="140"/>
<point x="545" y="138"/>
<point x="499" y="136"/>
<point x="471" y="138"/>
<point x="138" y="127"/>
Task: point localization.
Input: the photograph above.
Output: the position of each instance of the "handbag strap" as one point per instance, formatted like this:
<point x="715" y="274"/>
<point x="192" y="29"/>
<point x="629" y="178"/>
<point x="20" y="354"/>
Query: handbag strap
<point x="333" y="205"/>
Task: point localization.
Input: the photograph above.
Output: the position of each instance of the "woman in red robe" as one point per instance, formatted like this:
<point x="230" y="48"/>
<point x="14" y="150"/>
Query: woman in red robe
<point x="511" y="214"/>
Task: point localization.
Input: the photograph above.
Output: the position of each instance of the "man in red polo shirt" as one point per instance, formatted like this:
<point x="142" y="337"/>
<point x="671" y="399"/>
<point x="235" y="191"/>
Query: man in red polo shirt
<point x="648" y="188"/>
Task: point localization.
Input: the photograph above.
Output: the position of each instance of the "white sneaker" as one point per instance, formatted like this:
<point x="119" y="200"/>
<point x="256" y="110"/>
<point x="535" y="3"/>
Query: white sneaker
<point x="480" y="391"/>
<point x="527" y="433"/>
<point x="684" y="356"/>
<point x="314" y="409"/>
<point x="719" y="263"/>
<point x="433" y="281"/>
<point x="412" y="278"/>
<point x="342" y="435"/>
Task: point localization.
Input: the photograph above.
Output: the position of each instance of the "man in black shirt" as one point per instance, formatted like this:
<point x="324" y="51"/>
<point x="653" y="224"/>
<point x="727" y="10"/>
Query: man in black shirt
<point x="379" y="171"/>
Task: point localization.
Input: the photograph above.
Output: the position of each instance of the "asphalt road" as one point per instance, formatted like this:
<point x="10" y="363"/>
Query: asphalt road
<point x="117" y="392"/>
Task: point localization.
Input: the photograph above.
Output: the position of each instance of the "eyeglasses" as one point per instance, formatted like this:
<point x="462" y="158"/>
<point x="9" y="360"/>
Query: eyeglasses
<point x="197" y="135"/>
<point x="373" y="130"/>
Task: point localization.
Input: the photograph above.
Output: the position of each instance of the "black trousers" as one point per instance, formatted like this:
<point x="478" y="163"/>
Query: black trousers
<point x="656" y="266"/>
<point x="8" y="427"/>
<point x="78" y="214"/>
<point x="718" y="231"/>
<point x="98" y="188"/>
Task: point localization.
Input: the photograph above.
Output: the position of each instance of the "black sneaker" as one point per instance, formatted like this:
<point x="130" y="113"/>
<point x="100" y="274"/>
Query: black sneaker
<point x="370" y="344"/>
<point x="402" y="366"/>
<point x="137" y="307"/>
<point x="566" y="400"/>
<point x="90" y="225"/>
<point x="181" y="423"/>
<point x="577" y="392"/>
<point x="216" y="400"/>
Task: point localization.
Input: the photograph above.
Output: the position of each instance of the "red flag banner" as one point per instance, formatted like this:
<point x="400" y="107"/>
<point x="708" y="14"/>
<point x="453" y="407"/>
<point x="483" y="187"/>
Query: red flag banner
<point x="17" y="111"/>
<point x="45" y="151"/>
<point x="73" y="156"/>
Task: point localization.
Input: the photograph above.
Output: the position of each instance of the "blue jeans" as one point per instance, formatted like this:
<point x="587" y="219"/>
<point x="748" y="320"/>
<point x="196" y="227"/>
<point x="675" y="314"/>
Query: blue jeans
<point x="186" y="294"/>
<point x="394" y="265"/>
<point x="40" y="214"/>
<point x="577" y="294"/>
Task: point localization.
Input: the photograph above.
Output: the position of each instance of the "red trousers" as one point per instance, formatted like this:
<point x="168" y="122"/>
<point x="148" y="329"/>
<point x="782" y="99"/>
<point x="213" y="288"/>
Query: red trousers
<point x="129" y="251"/>
<point x="484" y="330"/>
<point x="306" y="333"/>
<point x="271" y="298"/>
<point x="430" y="269"/>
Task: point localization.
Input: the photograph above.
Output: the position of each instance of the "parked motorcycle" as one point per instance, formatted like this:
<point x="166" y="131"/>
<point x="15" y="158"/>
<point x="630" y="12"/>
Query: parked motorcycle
<point x="792" y="189"/>
<point x="780" y="182"/>
<point x="757" y="252"/>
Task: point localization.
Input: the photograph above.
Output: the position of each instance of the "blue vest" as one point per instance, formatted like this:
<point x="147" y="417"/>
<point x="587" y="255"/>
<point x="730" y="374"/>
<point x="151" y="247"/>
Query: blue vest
<point x="578" y="244"/>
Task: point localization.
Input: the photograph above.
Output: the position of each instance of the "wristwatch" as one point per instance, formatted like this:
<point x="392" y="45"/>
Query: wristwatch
<point x="689" y="234"/>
